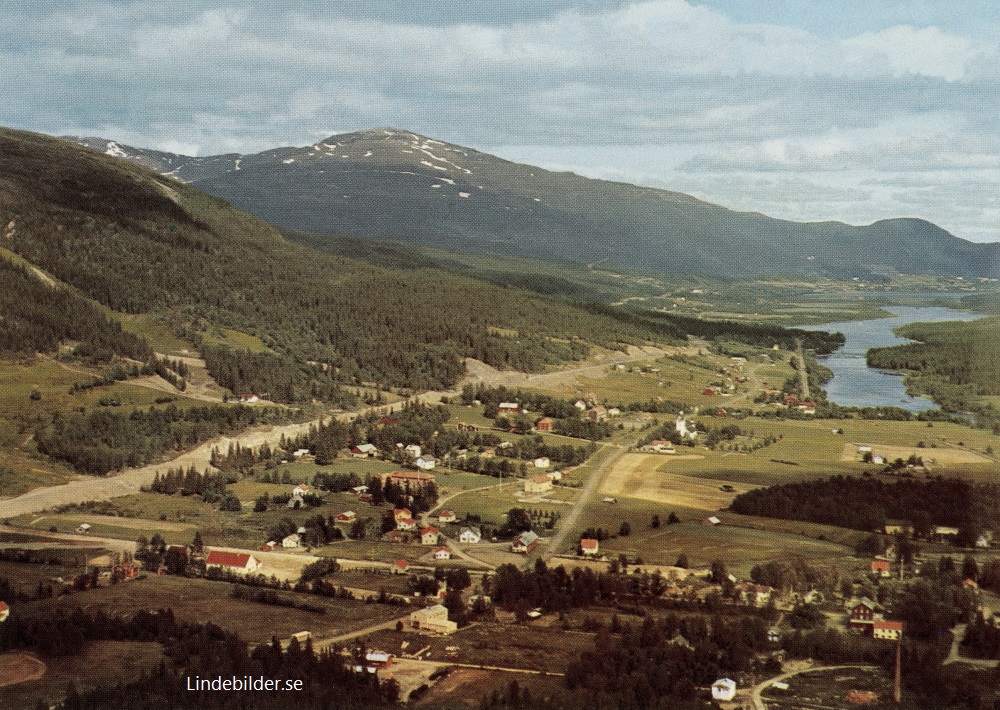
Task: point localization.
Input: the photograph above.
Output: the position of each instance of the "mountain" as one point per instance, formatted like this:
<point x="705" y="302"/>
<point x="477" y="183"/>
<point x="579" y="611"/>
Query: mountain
<point x="266" y="314"/>
<point x="392" y="184"/>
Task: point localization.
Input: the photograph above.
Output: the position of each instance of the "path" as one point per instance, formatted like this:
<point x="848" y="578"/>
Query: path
<point x="758" y="701"/>
<point x="955" y="657"/>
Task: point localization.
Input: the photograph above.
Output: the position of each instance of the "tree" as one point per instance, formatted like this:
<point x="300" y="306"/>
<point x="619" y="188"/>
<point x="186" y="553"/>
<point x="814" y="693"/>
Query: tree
<point x="358" y="529"/>
<point x="625" y="529"/>
<point x="655" y="522"/>
<point x="672" y="519"/>
<point x="682" y="561"/>
<point x="197" y="546"/>
<point x="718" y="573"/>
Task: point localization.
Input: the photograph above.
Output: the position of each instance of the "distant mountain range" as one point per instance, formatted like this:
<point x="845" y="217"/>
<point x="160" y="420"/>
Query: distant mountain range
<point x="397" y="185"/>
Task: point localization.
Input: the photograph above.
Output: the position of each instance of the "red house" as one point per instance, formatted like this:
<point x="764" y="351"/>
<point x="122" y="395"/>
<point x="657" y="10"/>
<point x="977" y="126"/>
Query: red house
<point x="545" y="424"/>
<point x="862" y="613"/>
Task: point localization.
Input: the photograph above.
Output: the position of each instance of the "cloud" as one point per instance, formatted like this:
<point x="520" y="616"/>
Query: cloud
<point x="714" y="93"/>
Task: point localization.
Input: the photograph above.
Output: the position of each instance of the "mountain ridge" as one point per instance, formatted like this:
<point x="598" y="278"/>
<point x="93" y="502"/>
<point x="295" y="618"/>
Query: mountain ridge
<point x="392" y="184"/>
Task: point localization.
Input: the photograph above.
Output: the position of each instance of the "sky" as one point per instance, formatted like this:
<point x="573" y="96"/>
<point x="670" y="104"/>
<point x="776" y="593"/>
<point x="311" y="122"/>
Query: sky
<point x="808" y="110"/>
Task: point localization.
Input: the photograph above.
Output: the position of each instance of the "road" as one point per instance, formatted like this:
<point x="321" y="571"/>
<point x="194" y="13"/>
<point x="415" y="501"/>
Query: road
<point x="131" y="481"/>
<point x="758" y="701"/>
<point x="609" y="454"/>
<point x="803" y="375"/>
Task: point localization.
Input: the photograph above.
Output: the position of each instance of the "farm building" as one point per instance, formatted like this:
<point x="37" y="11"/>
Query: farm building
<point x="348" y="516"/>
<point x="525" y="543"/>
<point x="242" y="562"/>
<point x="711" y="521"/>
<point x="413" y="450"/>
<point x="84" y="528"/>
<point x="292" y="540"/>
<point x="300" y="490"/>
<point x="435" y="619"/>
<point x="509" y="408"/>
<point x="364" y="451"/>
<point x="400" y="566"/>
<point x="589" y="546"/>
<point x="426" y="463"/>
<point x="542" y="462"/>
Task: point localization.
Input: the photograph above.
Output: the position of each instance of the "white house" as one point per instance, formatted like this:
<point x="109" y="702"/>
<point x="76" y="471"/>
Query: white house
<point x="364" y="451"/>
<point x="724" y="689"/>
<point x="426" y="463"/>
<point x="537" y="484"/>
<point x="470" y="536"/>
<point x="413" y="450"/>
<point x="83" y="528"/>
<point x="542" y="462"/>
<point x="429" y="535"/>
<point x="300" y="490"/>
<point x="434" y="618"/>
<point x="442" y="553"/>
<point x="406" y="524"/>
<point x="292" y="540"/>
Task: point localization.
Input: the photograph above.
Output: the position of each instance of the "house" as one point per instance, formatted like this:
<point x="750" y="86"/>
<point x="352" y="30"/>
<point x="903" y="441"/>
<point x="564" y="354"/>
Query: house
<point x="877" y="458"/>
<point x="724" y="689"/>
<point x="581" y="405"/>
<point x="537" y="484"/>
<point x="248" y="398"/>
<point x="401" y="514"/>
<point x="434" y="619"/>
<point x="597" y="414"/>
<point x="4" y="612"/>
<point x="83" y="528"/>
<point x="359" y="490"/>
<point x="970" y="584"/>
<point x="348" y="516"/>
<point x="862" y="613"/>
<point x="944" y="533"/>
<point x="364" y="451"/>
<point x="413" y="450"/>
<point x="711" y="521"/>
<point x="895" y="527"/>
<point x="589" y="546"/>
<point x="882" y="568"/>
<point x="447" y="516"/>
<point x="864" y="449"/>
<point x="660" y="446"/>
<point x="470" y="536"/>
<point x="888" y="630"/>
<point x="755" y="594"/>
<point x="555" y="476"/>
<point x="542" y="462"/>
<point x="525" y="543"/>
<point x="463" y="426"/>
<point x="400" y="566"/>
<point x="126" y="569"/>
<point x="682" y="428"/>
<point x="292" y="540"/>
<point x="773" y="635"/>
<point x="426" y="463"/>
<point x="378" y="659"/>
<point x="442" y="553"/>
<point x="299" y="453"/>
<point x="406" y="524"/>
<point x="242" y="562"/>
<point x="269" y="546"/>
<point x="614" y="412"/>
<point x="409" y="479"/>
<point x="429" y="535"/>
<point x="545" y="424"/>
<point x="509" y="408"/>
<point x="708" y="392"/>
<point x="296" y="502"/>
<point x="301" y="489"/>
<point x="985" y="540"/>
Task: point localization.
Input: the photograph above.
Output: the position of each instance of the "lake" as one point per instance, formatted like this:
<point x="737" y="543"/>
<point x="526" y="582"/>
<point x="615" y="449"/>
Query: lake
<point x="854" y="384"/>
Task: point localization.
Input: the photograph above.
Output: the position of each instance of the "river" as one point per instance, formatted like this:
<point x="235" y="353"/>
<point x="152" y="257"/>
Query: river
<point x="854" y="384"/>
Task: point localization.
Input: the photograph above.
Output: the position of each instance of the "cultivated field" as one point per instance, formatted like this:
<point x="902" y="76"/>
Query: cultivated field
<point x="941" y="455"/>
<point x="647" y="476"/>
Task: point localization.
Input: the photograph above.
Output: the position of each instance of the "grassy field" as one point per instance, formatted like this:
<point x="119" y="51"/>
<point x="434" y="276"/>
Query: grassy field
<point x="533" y="646"/>
<point x="151" y="327"/>
<point x="464" y="688"/>
<point x="116" y="662"/>
<point x="201" y="600"/>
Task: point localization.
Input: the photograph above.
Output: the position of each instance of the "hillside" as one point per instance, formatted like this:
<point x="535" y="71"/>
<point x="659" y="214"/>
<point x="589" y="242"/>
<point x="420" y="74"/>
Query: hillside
<point x="136" y="242"/>
<point x="391" y="184"/>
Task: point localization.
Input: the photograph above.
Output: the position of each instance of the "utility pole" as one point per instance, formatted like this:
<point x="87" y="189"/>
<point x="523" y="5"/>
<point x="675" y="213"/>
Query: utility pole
<point x="897" y="685"/>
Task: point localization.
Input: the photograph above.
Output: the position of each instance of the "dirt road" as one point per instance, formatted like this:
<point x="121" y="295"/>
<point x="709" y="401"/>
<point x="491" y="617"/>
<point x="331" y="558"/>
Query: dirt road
<point x="131" y="481"/>
<point x="758" y="701"/>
